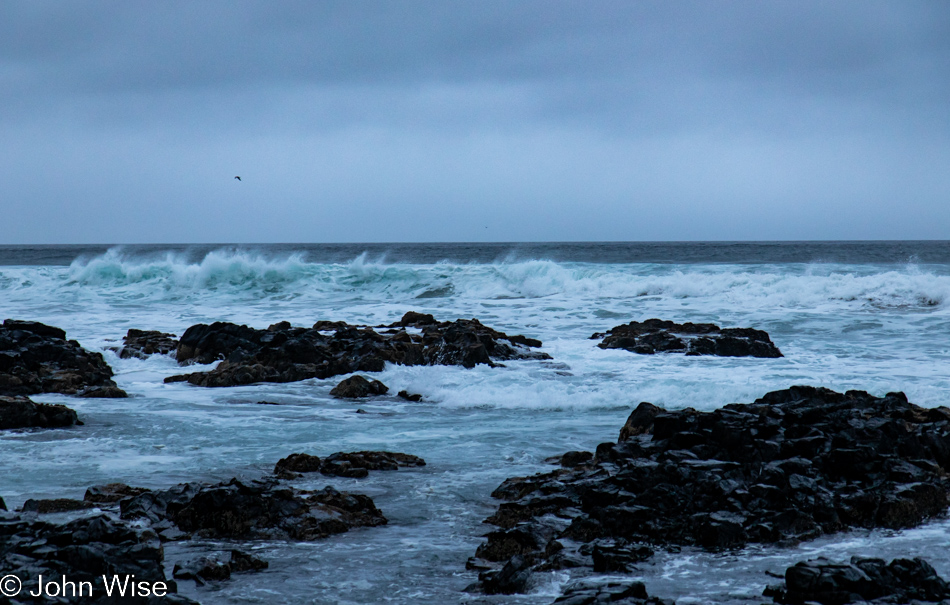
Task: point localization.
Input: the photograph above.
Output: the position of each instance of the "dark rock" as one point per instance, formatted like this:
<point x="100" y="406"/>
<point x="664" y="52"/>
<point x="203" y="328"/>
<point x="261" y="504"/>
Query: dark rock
<point x="141" y="344"/>
<point x="103" y="392"/>
<point x="3" y="505"/>
<point x="619" y="593"/>
<point x="36" y="358"/>
<point x="658" y="336"/>
<point x="417" y="320"/>
<point x="255" y="510"/>
<point x="793" y="465"/>
<point x="510" y="579"/>
<point x="111" y="493"/>
<point x="298" y="463"/>
<point x="409" y="396"/>
<point x="20" y="412"/>
<point x="343" y="464"/>
<point x="210" y="569"/>
<point x="55" y="505"/>
<point x="286" y="354"/>
<point x="863" y="580"/>
<point x="202" y="570"/>
<point x="356" y="387"/>
<point x="241" y="562"/>
<point x="82" y="550"/>
<point x="572" y="459"/>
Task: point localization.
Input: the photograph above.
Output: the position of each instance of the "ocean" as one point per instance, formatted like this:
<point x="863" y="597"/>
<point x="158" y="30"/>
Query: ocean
<point x="873" y="316"/>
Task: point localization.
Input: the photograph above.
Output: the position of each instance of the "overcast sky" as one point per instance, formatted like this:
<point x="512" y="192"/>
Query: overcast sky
<point x="126" y="122"/>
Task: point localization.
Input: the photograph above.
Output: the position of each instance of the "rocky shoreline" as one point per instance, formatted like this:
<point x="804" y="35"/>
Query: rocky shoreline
<point x="791" y="466"/>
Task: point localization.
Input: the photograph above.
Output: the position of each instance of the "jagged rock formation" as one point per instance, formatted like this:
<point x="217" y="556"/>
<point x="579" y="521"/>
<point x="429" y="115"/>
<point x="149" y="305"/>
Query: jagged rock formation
<point x="282" y="353"/>
<point x="658" y="336"/>
<point x="253" y="510"/>
<point x="342" y="464"/>
<point x="22" y="412"/>
<point x="36" y="358"/>
<point x="861" y="581"/>
<point x="793" y="465"/>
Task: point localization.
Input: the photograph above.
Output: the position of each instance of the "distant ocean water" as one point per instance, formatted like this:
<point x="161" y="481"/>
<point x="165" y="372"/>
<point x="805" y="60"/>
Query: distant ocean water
<point x="847" y="315"/>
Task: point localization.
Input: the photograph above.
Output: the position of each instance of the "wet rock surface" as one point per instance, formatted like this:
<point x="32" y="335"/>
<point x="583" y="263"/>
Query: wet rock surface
<point x="210" y="569"/>
<point x="862" y="580"/>
<point x="793" y="465"/>
<point x="141" y="344"/>
<point x="20" y="412"/>
<point x="620" y="593"/>
<point x="357" y="387"/>
<point x="251" y="510"/>
<point x="36" y="358"/>
<point x="346" y="464"/>
<point x="83" y="550"/>
<point x="111" y="493"/>
<point x="659" y="336"/>
<point x="55" y="505"/>
<point x="282" y="353"/>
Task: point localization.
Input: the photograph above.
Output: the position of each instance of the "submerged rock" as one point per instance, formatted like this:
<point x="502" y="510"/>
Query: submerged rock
<point x="658" y="336"/>
<point x="282" y="353"/>
<point x="83" y="550"/>
<point x="140" y="344"/>
<point x="356" y="387"/>
<point x="409" y="396"/>
<point x="794" y="465"/>
<point x="22" y="412"/>
<point x="343" y="464"/>
<point x="861" y="581"/>
<point x="253" y="510"/>
<point x="36" y="358"/>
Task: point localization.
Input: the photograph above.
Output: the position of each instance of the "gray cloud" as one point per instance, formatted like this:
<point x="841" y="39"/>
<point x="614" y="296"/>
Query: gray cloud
<point x="393" y="121"/>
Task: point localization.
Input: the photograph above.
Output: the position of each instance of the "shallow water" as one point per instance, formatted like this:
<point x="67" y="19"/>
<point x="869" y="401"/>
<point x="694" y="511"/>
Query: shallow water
<point x="870" y="317"/>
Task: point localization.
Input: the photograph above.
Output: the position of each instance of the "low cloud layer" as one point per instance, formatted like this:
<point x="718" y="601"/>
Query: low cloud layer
<point x="473" y="121"/>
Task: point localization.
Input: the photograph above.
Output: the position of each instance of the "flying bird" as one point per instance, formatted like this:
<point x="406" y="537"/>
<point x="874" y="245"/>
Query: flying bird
<point x="238" y="178"/>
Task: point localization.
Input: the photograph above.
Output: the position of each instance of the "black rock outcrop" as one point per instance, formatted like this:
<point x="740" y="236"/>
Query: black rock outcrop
<point x="36" y="358"/>
<point x="356" y="387"/>
<point x="140" y="344"/>
<point x="861" y="581"/>
<point x="282" y="353"/>
<point x="253" y="510"/>
<point x="347" y="464"/>
<point x="794" y="465"/>
<point x="659" y="336"/>
<point x="618" y="593"/>
<point x="82" y="550"/>
<point x="21" y="412"/>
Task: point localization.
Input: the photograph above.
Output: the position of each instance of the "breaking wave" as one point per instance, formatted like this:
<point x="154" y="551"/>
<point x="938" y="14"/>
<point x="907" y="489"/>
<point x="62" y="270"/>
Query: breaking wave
<point x="240" y="272"/>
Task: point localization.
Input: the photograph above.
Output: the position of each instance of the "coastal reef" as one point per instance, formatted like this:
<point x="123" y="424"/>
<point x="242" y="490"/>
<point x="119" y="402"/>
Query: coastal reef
<point x="283" y="353"/>
<point x="36" y="358"/>
<point x="659" y="336"/>
<point x="794" y="465"/>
